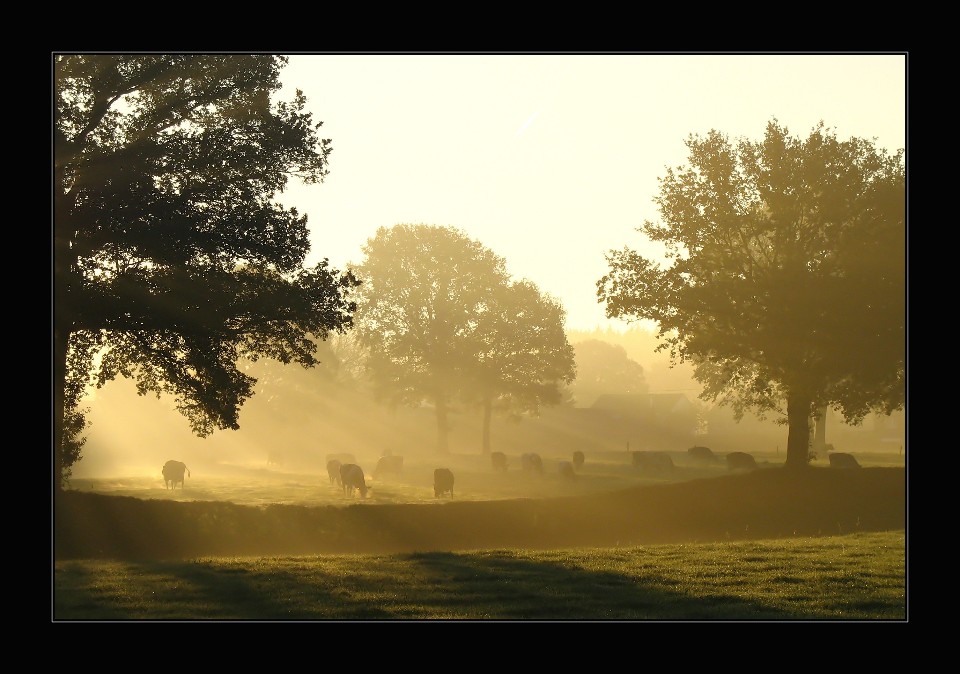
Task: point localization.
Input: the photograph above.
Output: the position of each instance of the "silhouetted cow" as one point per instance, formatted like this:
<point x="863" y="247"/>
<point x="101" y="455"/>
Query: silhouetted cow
<point x="333" y="471"/>
<point x="173" y="473"/>
<point x="566" y="470"/>
<point x="388" y="464"/>
<point x="578" y="460"/>
<point x="702" y="454"/>
<point x="653" y="462"/>
<point x="351" y="477"/>
<point x="741" y="461"/>
<point x="498" y="460"/>
<point x="531" y="463"/>
<point x="442" y="482"/>
<point x="843" y="460"/>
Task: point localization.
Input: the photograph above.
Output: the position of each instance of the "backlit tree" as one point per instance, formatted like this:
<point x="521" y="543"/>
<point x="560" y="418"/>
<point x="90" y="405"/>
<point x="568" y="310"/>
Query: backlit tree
<point x="787" y="280"/>
<point x="172" y="257"/>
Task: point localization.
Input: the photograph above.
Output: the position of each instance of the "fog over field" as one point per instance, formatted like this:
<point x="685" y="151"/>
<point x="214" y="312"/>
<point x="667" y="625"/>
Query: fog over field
<point x="280" y="453"/>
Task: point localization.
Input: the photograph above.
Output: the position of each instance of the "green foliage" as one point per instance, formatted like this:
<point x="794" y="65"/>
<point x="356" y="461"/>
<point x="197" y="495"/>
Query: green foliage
<point x="787" y="280"/>
<point x="442" y="322"/>
<point x="171" y="254"/>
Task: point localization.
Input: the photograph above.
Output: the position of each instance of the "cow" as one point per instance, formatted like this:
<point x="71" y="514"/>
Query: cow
<point x="843" y="460"/>
<point x="498" y="460"/>
<point x="388" y="464"/>
<point x="173" y="473"/>
<point x="566" y="470"/>
<point x="578" y="460"/>
<point x="702" y="454"/>
<point x="351" y="477"/>
<point x="652" y="462"/>
<point x="442" y="482"/>
<point x="531" y="463"/>
<point x="333" y="471"/>
<point x="741" y="461"/>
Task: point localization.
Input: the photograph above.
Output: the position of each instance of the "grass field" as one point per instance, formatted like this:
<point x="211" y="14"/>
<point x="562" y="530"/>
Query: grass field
<point x="307" y="484"/>
<point x="851" y="577"/>
<point x="698" y="543"/>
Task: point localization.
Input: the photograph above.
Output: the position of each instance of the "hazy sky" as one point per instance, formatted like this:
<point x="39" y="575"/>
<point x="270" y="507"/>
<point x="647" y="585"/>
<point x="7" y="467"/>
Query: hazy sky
<point x="552" y="160"/>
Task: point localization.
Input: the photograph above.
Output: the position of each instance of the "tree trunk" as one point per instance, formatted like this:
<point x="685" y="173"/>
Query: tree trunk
<point x="61" y="340"/>
<point x="798" y="435"/>
<point x="443" y="428"/>
<point x="820" y="429"/>
<point x="62" y="327"/>
<point x="487" y="415"/>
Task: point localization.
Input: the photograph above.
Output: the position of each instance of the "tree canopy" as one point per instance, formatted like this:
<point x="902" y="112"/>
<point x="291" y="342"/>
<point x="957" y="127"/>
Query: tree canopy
<point x="522" y="356"/>
<point x="172" y="257"/>
<point x="443" y="323"/>
<point x="603" y="367"/>
<point x="787" y="275"/>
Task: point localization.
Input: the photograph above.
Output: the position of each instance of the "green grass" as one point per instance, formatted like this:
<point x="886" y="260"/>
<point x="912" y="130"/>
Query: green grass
<point x="859" y="576"/>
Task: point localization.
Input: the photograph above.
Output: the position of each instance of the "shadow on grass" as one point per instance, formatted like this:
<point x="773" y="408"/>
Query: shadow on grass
<point x="493" y="586"/>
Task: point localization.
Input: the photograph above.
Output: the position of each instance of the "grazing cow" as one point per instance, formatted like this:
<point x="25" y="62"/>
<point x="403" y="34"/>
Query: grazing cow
<point x="702" y="454"/>
<point x="843" y="460"/>
<point x="351" y="477"/>
<point x="741" y="461"/>
<point x="531" y="463"/>
<point x="442" y="482"/>
<point x="499" y="462"/>
<point x="388" y="464"/>
<point x="566" y="470"/>
<point x="578" y="460"/>
<point x="333" y="471"/>
<point x="173" y="473"/>
<point x="652" y="462"/>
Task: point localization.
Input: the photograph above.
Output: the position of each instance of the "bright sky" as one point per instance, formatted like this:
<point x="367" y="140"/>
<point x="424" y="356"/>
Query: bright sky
<point x="552" y="160"/>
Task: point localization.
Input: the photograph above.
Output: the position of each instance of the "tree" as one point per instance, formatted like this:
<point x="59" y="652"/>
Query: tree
<point x="424" y="288"/>
<point x="603" y="367"/>
<point x="787" y="280"/>
<point x="441" y="322"/>
<point x="172" y="259"/>
<point x="521" y="356"/>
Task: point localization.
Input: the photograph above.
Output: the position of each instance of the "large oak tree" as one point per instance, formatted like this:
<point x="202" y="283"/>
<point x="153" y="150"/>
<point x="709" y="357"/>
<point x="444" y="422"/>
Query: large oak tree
<point x="443" y="323"/>
<point x="787" y="276"/>
<point x="172" y="257"/>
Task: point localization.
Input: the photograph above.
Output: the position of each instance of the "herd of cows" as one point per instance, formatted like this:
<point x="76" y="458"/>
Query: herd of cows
<point x="343" y="470"/>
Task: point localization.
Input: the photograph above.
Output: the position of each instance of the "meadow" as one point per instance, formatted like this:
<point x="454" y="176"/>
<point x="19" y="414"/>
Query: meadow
<point x="851" y="577"/>
<point x="259" y="542"/>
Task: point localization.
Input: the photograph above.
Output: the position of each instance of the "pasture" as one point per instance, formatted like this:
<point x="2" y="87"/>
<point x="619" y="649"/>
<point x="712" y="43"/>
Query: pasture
<point x="699" y="542"/>
<point x="851" y="577"/>
<point x="306" y="483"/>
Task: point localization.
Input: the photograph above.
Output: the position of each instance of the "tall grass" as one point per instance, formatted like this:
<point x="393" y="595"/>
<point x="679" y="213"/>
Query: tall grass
<point x="859" y="576"/>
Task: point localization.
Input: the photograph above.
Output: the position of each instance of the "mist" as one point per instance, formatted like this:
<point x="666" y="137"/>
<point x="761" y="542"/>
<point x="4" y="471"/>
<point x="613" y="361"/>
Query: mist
<point x="299" y="417"/>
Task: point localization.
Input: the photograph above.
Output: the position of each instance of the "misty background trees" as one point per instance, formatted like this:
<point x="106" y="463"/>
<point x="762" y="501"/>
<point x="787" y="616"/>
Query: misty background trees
<point x="788" y="275"/>
<point x="442" y="322"/>
<point x="172" y="258"/>
<point x="603" y="367"/>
